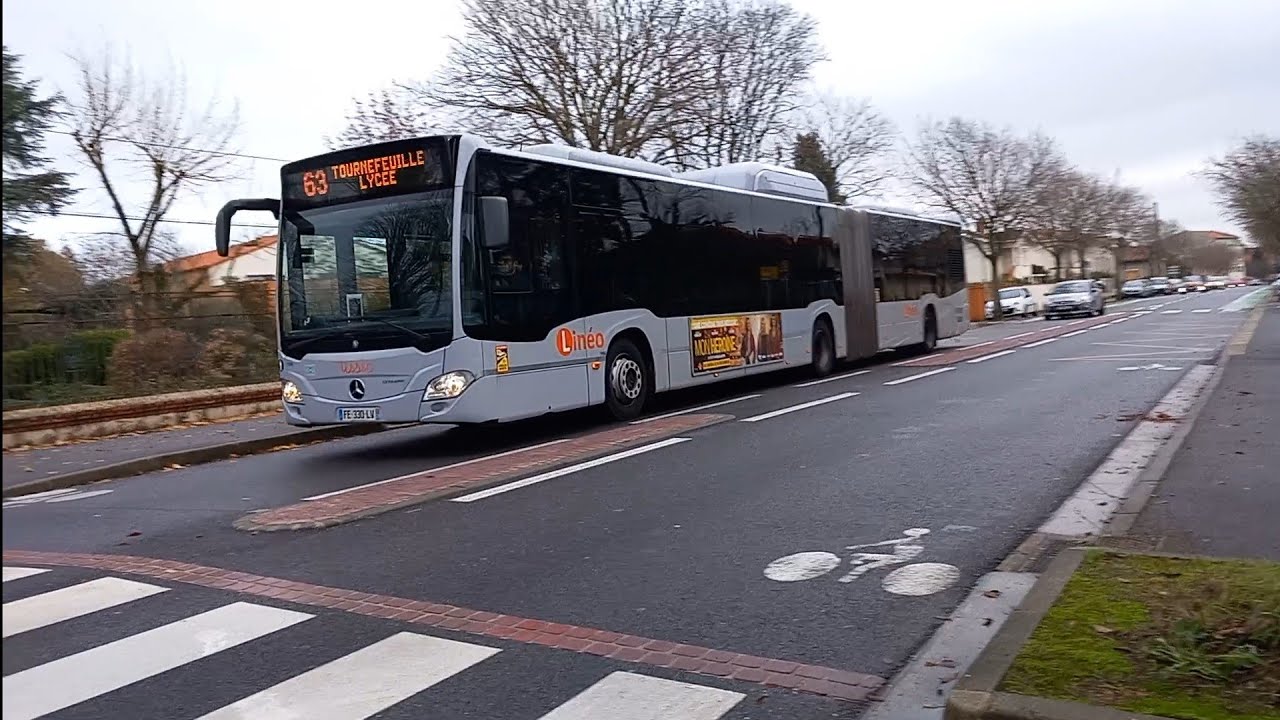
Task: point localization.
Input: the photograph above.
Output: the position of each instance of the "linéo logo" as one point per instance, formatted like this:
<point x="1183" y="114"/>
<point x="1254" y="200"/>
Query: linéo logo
<point x="567" y="341"/>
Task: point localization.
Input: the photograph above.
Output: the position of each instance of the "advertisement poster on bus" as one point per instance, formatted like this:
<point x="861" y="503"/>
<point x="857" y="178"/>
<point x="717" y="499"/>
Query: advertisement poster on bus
<point x="724" y="342"/>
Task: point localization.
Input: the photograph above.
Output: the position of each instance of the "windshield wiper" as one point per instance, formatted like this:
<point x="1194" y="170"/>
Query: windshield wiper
<point x="398" y="326"/>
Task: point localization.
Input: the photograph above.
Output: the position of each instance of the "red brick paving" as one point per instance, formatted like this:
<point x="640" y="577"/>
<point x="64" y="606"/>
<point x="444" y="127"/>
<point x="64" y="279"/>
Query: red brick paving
<point x="961" y="354"/>
<point x="431" y="484"/>
<point x="814" y="679"/>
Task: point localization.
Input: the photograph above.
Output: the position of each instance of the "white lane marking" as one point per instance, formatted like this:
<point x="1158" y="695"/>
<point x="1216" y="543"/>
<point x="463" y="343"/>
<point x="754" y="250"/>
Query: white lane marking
<point x="969" y="629"/>
<point x="1038" y="343"/>
<point x="992" y="356"/>
<point x="909" y="378"/>
<point x="66" y="603"/>
<point x="1202" y="311"/>
<point x="708" y="406"/>
<point x="801" y="406"/>
<point x="1090" y="508"/>
<point x="17" y="573"/>
<point x="79" y="496"/>
<point x="1170" y="312"/>
<point x="1021" y="335"/>
<point x="73" y="679"/>
<point x="1073" y="334"/>
<point x="1141" y="313"/>
<point x="1076" y="322"/>
<point x="526" y="482"/>
<point x="438" y="469"/>
<point x="920" y="579"/>
<point x="962" y="347"/>
<point x="361" y="684"/>
<point x="628" y="696"/>
<point x="1117" y="321"/>
<point x="833" y="378"/>
<point x="802" y="566"/>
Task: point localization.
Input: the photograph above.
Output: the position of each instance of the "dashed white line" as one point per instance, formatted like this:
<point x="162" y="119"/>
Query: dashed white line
<point x="833" y="378"/>
<point x="1073" y="334"/>
<point x="909" y="378"/>
<point x="526" y="482"/>
<point x="801" y="406"/>
<point x="1021" y="335"/>
<point x="992" y="356"/>
<point x="1140" y="313"/>
<point x="1170" y="312"/>
<point x="1203" y="310"/>
<point x="1039" y="343"/>
<point x="695" y="409"/>
<point x="1077" y="322"/>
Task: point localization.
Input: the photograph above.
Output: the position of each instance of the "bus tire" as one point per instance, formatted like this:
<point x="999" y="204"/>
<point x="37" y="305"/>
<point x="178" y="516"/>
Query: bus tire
<point x="628" y="383"/>
<point x="824" y="349"/>
<point x="930" y="331"/>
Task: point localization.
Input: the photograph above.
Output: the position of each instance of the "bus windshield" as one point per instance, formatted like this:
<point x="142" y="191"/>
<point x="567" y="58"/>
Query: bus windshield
<point x="371" y="275"/>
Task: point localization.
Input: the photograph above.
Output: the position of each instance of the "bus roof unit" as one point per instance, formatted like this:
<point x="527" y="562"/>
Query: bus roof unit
<point x="592" y="157"/>
<point x="762" y="178"/>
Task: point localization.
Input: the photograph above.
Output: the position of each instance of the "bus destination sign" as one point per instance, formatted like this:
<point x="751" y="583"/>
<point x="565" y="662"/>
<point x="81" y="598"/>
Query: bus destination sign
<point x="345" y="177"/>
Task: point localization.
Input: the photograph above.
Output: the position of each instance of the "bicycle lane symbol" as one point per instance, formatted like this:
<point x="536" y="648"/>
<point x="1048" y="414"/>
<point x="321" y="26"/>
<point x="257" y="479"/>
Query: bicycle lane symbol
<point x="912" y="578"/>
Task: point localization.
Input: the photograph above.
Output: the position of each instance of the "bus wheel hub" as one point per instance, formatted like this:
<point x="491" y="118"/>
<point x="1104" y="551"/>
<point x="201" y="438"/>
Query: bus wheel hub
<point x="628" y="380"/>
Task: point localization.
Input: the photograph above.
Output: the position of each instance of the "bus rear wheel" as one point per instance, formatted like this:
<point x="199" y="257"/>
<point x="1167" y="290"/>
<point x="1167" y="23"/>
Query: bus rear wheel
<point x="824" y="349"/>
<point x="930" y="331"/>
<point x="628" y="382"/>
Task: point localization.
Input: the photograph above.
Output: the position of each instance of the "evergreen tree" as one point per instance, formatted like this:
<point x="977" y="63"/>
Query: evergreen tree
<point x="29" y="185"/>
<point x="809" y="156"/>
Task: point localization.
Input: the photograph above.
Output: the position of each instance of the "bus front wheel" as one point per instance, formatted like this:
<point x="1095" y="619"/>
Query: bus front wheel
<point x="628" y="383"/>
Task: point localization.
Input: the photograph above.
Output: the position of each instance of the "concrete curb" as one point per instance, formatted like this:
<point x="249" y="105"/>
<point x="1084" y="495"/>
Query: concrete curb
<point x="193" y="456"/>
<point x="976" y="697"/>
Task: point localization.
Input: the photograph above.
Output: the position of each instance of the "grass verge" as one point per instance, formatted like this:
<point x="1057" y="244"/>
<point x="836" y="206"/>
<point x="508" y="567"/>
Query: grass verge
<point x="1194" y="639"/>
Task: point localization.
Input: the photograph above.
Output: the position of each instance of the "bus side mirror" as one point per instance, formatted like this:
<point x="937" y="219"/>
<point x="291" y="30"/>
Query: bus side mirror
<point x="222" y="228"/>
<point x="495" y="221"/>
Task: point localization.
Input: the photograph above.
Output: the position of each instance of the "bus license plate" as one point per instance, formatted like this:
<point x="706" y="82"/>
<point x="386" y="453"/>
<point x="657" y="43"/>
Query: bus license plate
<point x="365" y="414"/>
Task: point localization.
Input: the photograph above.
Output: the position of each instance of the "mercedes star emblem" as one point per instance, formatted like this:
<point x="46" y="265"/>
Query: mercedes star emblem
<point x="357" y="389"/>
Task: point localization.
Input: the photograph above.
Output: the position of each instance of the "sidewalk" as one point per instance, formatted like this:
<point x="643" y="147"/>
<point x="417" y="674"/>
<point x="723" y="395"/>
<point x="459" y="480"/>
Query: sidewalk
<point x="1221" y="494"/>
<point x="61" y="466"/>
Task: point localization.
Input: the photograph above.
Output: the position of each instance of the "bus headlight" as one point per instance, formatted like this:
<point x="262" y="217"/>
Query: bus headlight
<point x="449" y="385"/>
<point x="290" y="392"/>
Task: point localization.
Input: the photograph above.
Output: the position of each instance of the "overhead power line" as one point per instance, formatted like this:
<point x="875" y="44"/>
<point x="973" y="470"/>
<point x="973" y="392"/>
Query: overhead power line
<point x="223" y="153"/>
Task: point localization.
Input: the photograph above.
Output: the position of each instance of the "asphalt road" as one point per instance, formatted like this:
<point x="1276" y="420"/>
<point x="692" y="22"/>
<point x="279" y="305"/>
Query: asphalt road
<point x="671" y="544"/>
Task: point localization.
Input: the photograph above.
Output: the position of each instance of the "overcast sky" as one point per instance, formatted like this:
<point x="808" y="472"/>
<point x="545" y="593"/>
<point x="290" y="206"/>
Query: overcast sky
<point x="1144" y="88"/>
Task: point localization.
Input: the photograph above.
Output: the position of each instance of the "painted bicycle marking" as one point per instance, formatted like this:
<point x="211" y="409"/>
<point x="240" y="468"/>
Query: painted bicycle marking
<point x="912" y="578"/>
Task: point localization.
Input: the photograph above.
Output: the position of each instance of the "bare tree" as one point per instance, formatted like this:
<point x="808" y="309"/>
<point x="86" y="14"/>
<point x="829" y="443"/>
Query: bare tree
<point x="384" y="115"/>
<point x="1129" y="222"/>
<point x="608" y="75"/>
<point x="1247" y="182"/>
<point x="127" y="126"/>
<point x="1068" y="216"/>
<point x="854" y="138"/>
<point x="755" y="56"/>
<point x="1214" y="258"/>
<point x="989" y="177"/>
<point x="687" y="82"/>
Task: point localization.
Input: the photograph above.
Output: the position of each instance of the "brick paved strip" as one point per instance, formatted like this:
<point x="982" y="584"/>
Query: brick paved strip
<point x="975" y="351"/>
<point x="813" y="679"/>
<point x="437" y="483"/>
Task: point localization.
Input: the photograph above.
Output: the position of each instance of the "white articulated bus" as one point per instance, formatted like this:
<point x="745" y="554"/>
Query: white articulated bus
<point x="441" y="280"/>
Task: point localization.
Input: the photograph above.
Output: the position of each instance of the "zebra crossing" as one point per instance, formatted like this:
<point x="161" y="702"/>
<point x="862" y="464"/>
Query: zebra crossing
<point x="366" y="682"/>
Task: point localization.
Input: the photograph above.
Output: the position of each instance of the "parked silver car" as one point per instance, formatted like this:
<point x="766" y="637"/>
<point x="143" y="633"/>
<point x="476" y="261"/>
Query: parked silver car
<point x="1074" y="297"/>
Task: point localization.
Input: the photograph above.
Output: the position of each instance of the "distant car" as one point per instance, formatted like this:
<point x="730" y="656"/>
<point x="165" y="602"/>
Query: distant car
<point x="1215" y="282"/>
<point x="1136" y="288"/>
<point x="1074" y="297"/>
<point x="1253" y="281"/>
<point x="1161" y="286"/>
<point x="1195" y="283"/>
<point x="1015" y="301"/>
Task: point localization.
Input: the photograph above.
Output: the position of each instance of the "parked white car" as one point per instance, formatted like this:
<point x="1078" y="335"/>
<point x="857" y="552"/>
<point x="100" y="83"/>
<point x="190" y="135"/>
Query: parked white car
<point x="1015" y="301"/>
